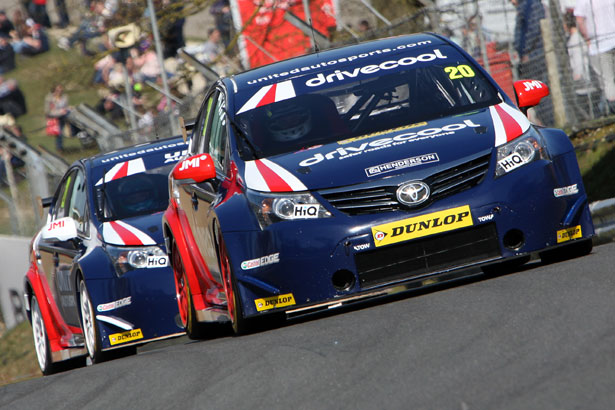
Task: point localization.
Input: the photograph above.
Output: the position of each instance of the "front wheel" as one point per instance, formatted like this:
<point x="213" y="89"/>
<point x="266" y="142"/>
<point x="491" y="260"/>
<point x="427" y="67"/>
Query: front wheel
<point x="187" y="314"/>
<point x="88" y="324"/>
<point x="240" y="324"/>
<point x="41" y="341"/>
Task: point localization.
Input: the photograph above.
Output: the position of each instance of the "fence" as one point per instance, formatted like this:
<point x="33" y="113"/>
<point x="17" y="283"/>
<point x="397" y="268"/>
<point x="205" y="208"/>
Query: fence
<point x="538" y="43"/>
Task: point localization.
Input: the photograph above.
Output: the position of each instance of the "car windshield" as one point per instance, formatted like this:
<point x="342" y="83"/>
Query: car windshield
<point x="139" y="194"/>
<point x="351" y="102"/>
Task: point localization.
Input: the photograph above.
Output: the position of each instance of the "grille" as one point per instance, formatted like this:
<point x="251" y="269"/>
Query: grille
<point x="433" y="254"/>
<point x="365" y="200"/>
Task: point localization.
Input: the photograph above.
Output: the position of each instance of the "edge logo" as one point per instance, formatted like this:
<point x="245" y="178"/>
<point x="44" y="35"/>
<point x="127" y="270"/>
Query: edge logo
<point x="565" y="191"/>
<point x="274" y="302"/>
<point x="424" y="225"/>
<point x="262" y="261"/>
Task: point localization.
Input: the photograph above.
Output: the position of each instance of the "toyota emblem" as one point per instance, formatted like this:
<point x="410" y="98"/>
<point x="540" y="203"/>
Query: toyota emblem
<point x="413" y="193"/>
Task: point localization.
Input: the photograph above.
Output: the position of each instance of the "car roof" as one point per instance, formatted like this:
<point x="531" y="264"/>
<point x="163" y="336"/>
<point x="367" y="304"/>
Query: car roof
<point x="323" y="60"/>
<point x="111" y="158"/>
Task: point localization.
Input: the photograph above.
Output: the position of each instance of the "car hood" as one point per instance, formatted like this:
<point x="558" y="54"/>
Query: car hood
<point x="425" y="147"/>
<point x="141" y="230"/>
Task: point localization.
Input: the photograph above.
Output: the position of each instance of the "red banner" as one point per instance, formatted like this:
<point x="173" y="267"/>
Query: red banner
<point x="267" y="37"/>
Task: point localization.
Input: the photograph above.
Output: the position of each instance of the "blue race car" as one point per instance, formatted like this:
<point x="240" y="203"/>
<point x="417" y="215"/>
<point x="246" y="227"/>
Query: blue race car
<point x="359" y="172"/>
<point x="99" y="277"/>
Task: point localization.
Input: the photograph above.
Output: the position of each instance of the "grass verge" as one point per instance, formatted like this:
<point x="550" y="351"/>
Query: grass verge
<point x="17" y="356"/>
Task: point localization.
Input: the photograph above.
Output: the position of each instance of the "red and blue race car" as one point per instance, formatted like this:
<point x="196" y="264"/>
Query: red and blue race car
<point x="359" y="172"/>
<point x="99" y="276"/>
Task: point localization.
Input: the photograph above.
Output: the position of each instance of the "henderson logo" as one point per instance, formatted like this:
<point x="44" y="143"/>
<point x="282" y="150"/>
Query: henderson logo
<point x="424" y="225"/>
<point x="401" y="164"/>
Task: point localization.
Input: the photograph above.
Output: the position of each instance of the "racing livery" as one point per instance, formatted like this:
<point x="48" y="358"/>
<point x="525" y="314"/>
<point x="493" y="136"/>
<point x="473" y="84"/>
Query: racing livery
<point x="99" y="276"/>
<point x="359" y="172"/>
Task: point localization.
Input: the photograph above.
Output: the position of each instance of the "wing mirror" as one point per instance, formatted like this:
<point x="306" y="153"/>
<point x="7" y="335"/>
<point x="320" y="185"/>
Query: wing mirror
<point x="62" y="229"/>
<point x="529" y="93"/>
<point x="195" y="169"/>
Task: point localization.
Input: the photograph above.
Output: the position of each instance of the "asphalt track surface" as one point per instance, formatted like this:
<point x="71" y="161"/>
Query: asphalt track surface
<point x="539" y="338"/>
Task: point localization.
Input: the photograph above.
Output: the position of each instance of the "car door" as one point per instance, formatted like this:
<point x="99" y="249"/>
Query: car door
<point x="206" y="194"/>
<point x="58" y="257"/>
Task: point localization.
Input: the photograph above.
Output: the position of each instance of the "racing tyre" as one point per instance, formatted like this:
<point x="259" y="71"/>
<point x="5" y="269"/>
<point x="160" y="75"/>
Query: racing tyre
<point x="187" y="314"/>
<point x="576" y="249"/>
<point x="41" y="341"/>
<point x="88" y="324"/>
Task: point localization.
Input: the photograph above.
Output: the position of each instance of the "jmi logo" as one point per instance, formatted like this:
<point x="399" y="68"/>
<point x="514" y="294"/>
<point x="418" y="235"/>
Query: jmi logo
<point x="423" y="225"/>
<point x="569" y="233"/>
<point x="274" y="302"/>
<point x="124" y="337"/>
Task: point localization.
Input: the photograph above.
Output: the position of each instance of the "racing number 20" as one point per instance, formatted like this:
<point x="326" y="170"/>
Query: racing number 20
<point x="461" y="71"/>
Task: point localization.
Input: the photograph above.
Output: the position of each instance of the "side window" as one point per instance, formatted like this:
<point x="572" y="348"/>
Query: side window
<point x="60" y="209"/>
<point x="78" y="202"/>
<point x="200" y="132"/>
<point x="218" y="134"/>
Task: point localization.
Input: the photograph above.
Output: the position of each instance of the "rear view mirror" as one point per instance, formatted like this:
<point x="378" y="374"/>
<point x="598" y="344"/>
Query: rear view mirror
<point x="62" y="229"/>
<point x="529" y="93"/>
<point x="194" y="169"/>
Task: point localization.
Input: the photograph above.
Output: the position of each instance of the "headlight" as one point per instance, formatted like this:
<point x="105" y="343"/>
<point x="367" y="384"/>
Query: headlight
<point x="270" y="208"/>
<point x="520" y="151"/>
<point x="127" y="258"/>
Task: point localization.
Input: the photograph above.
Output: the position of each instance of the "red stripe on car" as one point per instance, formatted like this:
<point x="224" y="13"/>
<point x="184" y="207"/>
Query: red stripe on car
<point x="512" y="127"/>
<point x="273" y="180"/>
<point x="128" y="237"/>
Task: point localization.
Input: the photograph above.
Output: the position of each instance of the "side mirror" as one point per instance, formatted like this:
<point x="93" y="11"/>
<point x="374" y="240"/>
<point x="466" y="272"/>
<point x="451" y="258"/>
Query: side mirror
<point x="529" y="93"/>
<point x="195" y="169"/>
<point x="62" y="229"/>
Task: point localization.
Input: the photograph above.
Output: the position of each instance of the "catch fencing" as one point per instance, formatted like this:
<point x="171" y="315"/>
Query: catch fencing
<point x="544" y="48"/>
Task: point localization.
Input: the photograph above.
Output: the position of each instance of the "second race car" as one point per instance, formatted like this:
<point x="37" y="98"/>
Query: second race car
<point x="99" y="277"/>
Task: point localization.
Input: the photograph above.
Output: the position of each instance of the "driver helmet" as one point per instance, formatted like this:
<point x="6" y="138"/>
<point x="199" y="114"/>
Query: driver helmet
<point x="137" y="193"/>
<point x="288" y="121"/>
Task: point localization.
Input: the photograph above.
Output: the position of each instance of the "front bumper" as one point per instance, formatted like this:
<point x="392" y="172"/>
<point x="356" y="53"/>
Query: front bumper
<point x="138" y="307"/>
<point x="295" y="266"/>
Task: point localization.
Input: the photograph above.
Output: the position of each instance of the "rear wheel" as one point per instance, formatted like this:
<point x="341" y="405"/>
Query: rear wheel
<point x="574" y="250"/>
<point x="41" y="341"/>
<point x="187" y="314"/>
<point x="88" y="324"/>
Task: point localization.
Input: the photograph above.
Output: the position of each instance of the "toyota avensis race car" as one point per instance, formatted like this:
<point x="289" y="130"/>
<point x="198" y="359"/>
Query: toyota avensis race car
<point x="359" y="172"/>
<point x="99" y="277"/>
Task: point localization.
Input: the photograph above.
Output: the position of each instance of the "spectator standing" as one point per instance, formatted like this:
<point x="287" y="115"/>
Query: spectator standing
<point x="56" y="106"/>
<point x="38" y="11"/>
<point x="530" y="49"/>
<point x="6" y="26"/>
<point x="221" y="10"/>
<point x="62" y="13"/>
<point x="596" y="23"/>
<point x="7" y="54"/>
